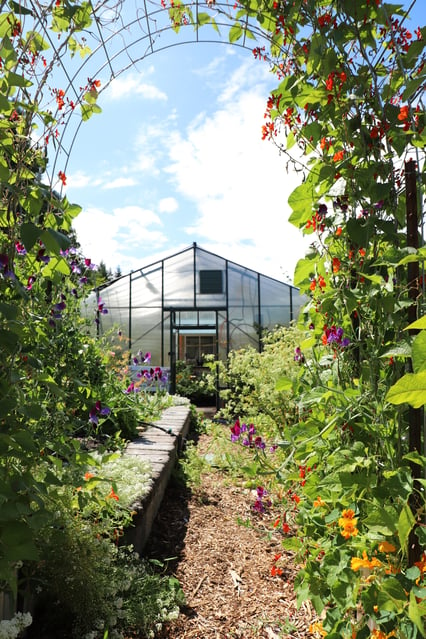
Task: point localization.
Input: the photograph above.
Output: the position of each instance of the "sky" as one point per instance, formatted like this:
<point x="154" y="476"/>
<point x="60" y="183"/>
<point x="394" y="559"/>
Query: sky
<point x="177" y="157"/>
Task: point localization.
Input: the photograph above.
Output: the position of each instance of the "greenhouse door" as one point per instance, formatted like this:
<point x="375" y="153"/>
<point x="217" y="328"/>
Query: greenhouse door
<point x="193" y="336"/>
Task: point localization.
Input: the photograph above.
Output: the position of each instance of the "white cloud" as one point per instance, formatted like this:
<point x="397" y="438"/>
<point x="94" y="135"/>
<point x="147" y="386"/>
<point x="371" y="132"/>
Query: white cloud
<point x="78" y="180"/>
<point x="134" y="85"/>
<point x="113" y="237"/>
<point x="119" y="183"/>
<point x="168" y="205"/>
<point x="240" y="187"/>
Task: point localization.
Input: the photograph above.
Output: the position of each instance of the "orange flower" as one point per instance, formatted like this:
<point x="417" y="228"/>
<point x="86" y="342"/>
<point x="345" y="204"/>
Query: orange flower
<point x="339" y="155"/>
<point x="317" y="629"/>
<point x="403" y="113"/>
<point x="336" y="265"/>
<point x="339" y="231"/>
<point x="421" y="565"/>
<point x="313" y="285"/>
<point x="88" y="476"/>
<point x="319" y="502"/>
<point x="385" y="546"/>
<point x="357" y="563"/>
<point x="112" y="495"/>
<point x="348" y="523"/>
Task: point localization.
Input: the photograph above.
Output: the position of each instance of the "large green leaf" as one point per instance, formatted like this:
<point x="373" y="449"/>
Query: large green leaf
<point x="30" y="233"/>
<point x="391" y="596"/>
<point x="419" y="352"/>
<point x="410" y="389"/>
<point x="406" y="522"/>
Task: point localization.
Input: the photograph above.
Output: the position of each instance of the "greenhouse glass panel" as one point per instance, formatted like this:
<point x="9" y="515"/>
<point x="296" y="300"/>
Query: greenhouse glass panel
<point x="146" y="333"/>
<point x="275" y="300"/>
<point x="179" y="280"/>
<point x="242" y="286"/>
<point x="211" y="279"/>
<point x="146" y="289"/>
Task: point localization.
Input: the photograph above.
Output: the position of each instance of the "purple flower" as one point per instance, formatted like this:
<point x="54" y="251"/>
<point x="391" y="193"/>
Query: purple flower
<point x="298" y="355"/>
<point x="101" y="307"/>
<point x="97" y="410"/>
<point x="235" y="431"/>
<point x="258" y="506"/>
<point x="20" y="248"/>
<point x="334" y="336"/>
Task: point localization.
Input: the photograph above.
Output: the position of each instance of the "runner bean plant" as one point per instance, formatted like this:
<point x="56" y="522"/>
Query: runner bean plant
<point x="348" y="115"/>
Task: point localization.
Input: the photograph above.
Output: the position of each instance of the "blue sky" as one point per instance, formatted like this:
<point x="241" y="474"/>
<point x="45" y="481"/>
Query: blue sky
<point x="177" y="157"/>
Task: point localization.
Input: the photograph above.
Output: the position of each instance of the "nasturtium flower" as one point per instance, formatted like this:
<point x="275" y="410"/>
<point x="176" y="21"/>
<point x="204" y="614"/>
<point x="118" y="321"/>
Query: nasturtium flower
<point x="386" y="546"/>
<point x="319" y="502"/>
<point x="357" y="562"/>
<point x="316" y="628"/>
<point x="347" y="523"/>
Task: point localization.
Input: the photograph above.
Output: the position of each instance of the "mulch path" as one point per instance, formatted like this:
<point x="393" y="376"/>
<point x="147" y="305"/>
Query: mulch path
<point x="223" y="566"/>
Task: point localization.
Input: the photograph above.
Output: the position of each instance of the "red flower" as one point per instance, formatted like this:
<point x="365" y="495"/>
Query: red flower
<point x="403" y="113"/>
<point x="113" y="495"/>
<point x="62" y="177"/>
<point x="336" y="265"/>
<point x="339" y="155"/>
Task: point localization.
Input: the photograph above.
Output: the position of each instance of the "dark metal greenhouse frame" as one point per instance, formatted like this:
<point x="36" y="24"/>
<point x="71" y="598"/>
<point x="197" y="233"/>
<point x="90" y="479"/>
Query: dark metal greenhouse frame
<point x="208" y="309"/>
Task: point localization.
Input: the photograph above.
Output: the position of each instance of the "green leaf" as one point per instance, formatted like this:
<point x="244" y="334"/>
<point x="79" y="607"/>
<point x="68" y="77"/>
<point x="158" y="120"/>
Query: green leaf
<point x="420" y="323"/>
<point x="305" y="269"/>
<point x="406" y="522"/>
<point x="235" y="33"/>
<point x="8" y="311"/>
<point x="283" y="384"/>
<point x="17" y="541"/>
<point x="419" y="352"/>
<point x="381" y="521"/>
<point x="391" y="596"/>
<point x="409" y="389"/>
<point x="16" y="80"/>
<point x="417" y="612"/>
<point x="55" y="240"/>
<point x="30" y="233"/>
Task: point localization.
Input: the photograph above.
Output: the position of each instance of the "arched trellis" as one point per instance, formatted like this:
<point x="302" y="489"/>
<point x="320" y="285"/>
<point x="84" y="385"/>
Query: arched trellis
<point x="120" y="36"/>
<point x="111" y="37"/>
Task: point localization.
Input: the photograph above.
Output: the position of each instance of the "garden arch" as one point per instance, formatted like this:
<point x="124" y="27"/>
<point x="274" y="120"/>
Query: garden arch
<point x="119" y="37"/>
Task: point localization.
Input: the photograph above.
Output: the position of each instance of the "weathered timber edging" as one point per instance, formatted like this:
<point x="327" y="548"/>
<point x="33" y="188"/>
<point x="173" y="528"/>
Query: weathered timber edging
<point x="159" y="445"/>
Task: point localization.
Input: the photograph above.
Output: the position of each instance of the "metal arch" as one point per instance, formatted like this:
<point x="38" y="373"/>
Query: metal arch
<point x="122" y="34"/>
<point x="115" y="38"/>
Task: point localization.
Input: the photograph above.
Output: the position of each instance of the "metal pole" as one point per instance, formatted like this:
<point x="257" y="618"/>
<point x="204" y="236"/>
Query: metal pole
<point x="415" y="415"/>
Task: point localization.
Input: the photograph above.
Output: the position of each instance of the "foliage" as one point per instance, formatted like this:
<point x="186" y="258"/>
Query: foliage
<point x="88" y="584"/>
<point x="194" y="386"/>
<point x="349" y="116"/>
<point x="58" y="392"/>
<point x="249" y="379"/>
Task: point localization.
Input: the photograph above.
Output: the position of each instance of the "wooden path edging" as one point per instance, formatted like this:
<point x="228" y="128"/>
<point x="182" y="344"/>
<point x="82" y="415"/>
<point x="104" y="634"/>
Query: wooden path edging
<point x="160" y="445"/>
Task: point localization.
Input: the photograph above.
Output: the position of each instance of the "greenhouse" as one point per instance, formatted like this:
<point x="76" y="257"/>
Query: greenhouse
<point x="193" y="304"/>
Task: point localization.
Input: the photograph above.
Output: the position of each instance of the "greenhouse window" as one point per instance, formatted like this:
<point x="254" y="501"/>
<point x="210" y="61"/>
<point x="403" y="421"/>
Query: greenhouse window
<point x="211" y="282"/>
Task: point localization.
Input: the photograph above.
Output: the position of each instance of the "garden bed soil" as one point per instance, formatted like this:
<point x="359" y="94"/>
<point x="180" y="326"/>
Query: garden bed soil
<point x="224" y="566"/>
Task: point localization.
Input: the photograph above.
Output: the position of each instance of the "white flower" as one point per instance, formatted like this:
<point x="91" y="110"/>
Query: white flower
<point x="11" y="628"/>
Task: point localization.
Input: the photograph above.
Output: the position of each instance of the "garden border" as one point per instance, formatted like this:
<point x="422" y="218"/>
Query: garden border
<point x="160" y="445"/>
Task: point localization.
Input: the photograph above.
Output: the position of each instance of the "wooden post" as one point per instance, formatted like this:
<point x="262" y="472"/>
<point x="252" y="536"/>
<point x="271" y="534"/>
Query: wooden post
<point x="415" y="415"/>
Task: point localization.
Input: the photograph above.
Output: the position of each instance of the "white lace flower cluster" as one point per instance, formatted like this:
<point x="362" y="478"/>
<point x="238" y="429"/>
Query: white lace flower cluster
<point x="10" y="628"/>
